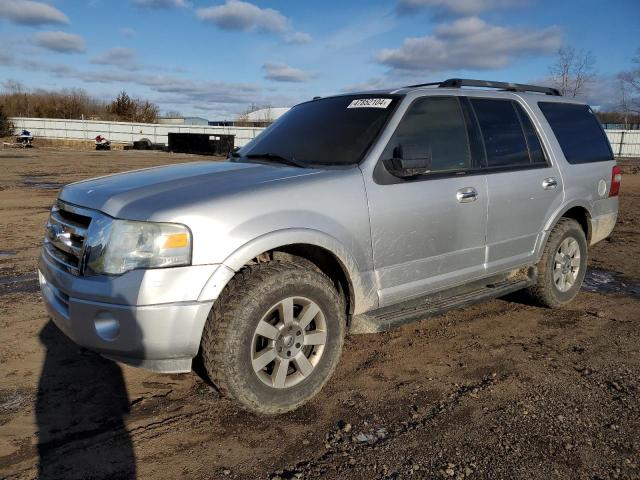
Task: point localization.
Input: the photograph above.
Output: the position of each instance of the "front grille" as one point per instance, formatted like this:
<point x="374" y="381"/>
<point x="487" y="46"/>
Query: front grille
<point x="65" y="234"/>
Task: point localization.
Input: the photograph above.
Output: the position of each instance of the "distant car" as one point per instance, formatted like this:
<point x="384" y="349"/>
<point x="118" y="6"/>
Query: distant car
<point x="353" y="212"/>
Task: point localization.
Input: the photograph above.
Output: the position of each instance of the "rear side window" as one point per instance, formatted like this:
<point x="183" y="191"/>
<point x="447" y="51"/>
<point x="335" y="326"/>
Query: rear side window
<point x="432" y="128"/>
<point x="578" y="132"/>
<point x="504" y="138"/>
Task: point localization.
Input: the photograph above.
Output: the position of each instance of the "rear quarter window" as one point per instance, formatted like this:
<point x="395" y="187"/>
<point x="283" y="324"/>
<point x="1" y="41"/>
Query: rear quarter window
<point x="578" y="132"/>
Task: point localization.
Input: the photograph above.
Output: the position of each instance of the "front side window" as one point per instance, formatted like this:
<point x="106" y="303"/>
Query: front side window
<point x="433" y="128"/>
<point x="578" y="132"/>
<point x="504" y="139"/>
<point x="327" y="131"/>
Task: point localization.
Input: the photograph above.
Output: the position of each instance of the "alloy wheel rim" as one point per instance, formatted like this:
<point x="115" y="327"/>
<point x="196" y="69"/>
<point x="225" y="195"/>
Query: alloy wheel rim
<point x="288" y="342"/>
<point x="566" y="264"/>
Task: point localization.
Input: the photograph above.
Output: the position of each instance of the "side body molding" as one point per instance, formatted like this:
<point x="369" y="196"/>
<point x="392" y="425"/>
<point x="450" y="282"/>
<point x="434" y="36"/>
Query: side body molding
<point x="363" y="291"/>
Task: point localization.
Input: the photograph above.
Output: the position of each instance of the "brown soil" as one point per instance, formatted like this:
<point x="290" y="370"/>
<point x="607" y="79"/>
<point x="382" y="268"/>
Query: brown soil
<point x="497" y="390"/>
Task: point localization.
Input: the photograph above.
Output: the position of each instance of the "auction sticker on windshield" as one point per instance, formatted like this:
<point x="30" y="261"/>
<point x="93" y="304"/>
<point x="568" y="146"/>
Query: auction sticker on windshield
<point x="370" y="103"/>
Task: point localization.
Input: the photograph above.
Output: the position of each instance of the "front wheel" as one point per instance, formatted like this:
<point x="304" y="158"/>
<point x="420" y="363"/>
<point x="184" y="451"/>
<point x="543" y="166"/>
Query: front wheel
<point x="274" y="337"/>
<point x="563" y="265"/>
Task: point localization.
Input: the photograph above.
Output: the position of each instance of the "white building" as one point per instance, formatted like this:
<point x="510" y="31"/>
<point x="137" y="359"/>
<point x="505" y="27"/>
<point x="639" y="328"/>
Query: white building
<point x="267" y="114"/>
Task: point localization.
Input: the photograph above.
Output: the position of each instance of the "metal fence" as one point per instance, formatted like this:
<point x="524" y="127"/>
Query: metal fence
<point x="625" y="143"/>
<point x="621" y="126"/>
<point x="123" y="132"/>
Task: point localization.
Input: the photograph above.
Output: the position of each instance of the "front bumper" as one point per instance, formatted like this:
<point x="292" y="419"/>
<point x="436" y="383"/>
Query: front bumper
<point x="146" y="318"/>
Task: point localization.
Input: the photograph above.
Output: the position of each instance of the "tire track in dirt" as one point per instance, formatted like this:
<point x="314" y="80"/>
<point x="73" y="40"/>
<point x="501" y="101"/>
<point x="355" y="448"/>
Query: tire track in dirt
<point x="345" y="441"/>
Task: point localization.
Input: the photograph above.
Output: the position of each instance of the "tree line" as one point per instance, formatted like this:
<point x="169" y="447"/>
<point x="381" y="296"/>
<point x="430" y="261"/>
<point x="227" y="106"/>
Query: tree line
<point x="74" y="103"/>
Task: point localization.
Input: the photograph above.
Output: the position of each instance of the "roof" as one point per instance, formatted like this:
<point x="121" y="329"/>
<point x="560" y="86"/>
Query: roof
<point x="459" y="84"/>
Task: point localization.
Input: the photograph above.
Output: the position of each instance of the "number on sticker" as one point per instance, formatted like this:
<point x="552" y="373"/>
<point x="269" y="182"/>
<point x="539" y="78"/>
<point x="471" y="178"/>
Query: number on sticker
<point x="370" y="103"/>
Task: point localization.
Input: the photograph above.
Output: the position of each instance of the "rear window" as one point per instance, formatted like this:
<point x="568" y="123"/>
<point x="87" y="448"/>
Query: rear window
<point x="578" y="132"/>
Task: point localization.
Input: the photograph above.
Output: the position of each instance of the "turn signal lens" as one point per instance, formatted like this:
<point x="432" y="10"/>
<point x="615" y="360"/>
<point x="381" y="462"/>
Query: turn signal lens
<point x="176" y="240"/>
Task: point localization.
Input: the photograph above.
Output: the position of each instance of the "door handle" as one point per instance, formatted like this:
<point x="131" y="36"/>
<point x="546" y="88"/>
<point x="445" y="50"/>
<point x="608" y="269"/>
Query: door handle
<point x="466" y="195"/>
<point x="549" y="183"/>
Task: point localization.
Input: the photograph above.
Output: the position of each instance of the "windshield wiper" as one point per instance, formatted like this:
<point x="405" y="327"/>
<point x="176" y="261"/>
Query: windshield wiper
<point x="274" y="157"/>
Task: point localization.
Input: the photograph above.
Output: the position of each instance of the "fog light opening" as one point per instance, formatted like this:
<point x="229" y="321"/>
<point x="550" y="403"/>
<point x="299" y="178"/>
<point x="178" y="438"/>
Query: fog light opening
<point x="107" y="328"/>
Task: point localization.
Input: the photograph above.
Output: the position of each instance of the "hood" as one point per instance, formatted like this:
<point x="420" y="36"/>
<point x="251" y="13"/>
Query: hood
<point x="141" y="194"/>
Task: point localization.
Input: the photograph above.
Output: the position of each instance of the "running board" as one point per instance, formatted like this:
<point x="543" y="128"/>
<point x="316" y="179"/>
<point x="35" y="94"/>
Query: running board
<point x="393" y="316"/>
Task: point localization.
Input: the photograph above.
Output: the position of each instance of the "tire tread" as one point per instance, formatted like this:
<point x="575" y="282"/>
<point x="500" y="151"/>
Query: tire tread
<point x="542" y="292"/>
<point x="245" y="288"/>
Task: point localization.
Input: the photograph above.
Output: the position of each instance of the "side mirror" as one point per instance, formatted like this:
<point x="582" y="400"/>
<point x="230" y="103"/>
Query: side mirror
<point x="407" y="167"/>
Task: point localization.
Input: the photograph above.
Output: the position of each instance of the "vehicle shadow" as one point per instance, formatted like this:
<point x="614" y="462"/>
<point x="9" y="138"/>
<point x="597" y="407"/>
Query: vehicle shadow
<point x="80" y="409"/>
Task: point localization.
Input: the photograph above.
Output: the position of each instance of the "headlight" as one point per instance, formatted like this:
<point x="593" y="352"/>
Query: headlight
<point x="122" y="245"/>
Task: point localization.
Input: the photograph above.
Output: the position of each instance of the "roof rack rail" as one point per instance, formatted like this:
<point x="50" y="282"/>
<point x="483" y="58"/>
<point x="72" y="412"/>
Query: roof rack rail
<point x="511" y="87"/>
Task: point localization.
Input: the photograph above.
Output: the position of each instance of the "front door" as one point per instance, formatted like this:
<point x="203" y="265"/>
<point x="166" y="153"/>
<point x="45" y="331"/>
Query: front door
<point x="428" y="232"/>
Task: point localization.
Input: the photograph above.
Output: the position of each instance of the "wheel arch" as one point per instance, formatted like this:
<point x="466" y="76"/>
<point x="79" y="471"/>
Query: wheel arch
<point x="579" y="211"/>
<point x="581" y="215"/>
<point x="319" y="248"/>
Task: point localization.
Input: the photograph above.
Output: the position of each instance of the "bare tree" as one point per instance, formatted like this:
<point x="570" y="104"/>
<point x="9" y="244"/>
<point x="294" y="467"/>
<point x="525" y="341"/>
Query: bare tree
<point x="128" y="109"/>
<point x="630" y="87"/>
<point x="265" y="116"/>
<point x="573" y="71"/>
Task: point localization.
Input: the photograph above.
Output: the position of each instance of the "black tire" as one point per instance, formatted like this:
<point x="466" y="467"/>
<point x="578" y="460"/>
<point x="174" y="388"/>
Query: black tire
<point x="228" y="337"/>
<point x="545" y="291"/>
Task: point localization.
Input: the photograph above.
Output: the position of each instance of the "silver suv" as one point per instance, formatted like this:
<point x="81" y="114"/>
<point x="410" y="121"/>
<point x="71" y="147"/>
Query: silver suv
<point x="355" y="212"/>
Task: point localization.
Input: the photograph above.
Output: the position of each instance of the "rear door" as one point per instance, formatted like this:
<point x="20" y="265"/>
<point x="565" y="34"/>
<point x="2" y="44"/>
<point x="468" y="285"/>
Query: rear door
<point x="524" y="187"/>
<point x="428" y="232"/>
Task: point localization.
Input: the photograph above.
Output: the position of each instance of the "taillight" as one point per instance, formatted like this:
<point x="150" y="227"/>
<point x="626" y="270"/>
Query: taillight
<point x="616" y="178"/>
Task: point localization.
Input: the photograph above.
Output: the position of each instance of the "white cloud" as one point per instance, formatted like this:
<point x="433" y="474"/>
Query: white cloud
<point x="60" y="42"/>
<point x="247" y="17"/>
<point x="469" y="43"/>
<point x="120" y="57"/>
<point x="281" y="72"/>
<point x="128" y="31"/>
<point x="160" y="4"/>
<point x="31" y="13"/>
<point x="456" y="7"/>
<point x="297" y="38"/>
<point x="11" y="60"/>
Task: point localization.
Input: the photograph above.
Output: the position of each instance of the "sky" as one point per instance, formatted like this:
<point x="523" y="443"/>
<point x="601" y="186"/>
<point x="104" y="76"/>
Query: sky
<point x="214" y="58"/>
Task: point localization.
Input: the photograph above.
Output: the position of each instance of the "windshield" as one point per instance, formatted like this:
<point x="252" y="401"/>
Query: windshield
<point x="327" y="131"/>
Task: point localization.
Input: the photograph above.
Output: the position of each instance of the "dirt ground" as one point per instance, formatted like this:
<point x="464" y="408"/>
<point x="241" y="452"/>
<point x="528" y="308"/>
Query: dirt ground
<point x="499" y="390"/>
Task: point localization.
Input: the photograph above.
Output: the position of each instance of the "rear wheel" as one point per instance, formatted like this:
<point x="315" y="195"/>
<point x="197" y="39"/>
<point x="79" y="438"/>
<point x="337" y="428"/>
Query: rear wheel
<point x="274" y="337"/>
<point x="563" y="265"/>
